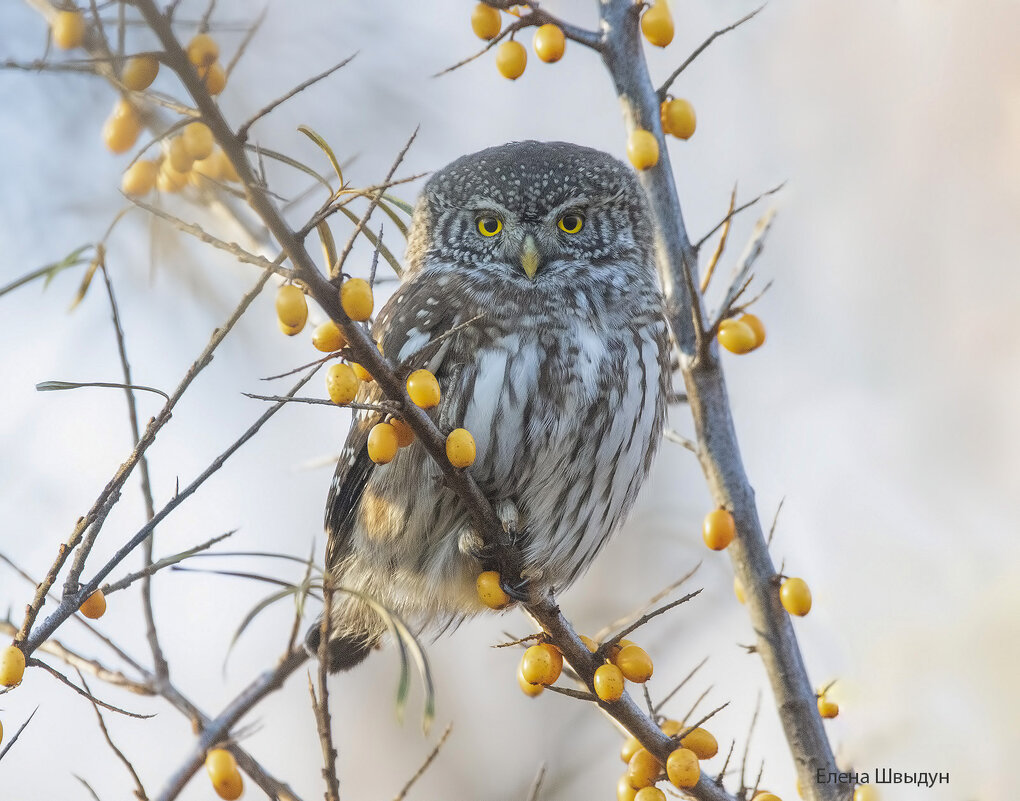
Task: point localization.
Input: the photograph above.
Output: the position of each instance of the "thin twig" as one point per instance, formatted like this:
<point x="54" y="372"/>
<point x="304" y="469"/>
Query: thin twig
<point x="675" y="436"/>
<point x="323" y="722"/>
<point x="645" y="618"/>
<point x="424" y="765"/>
<point x="64" y="680"/>
<point x="17" y="734"/>
<point x="382" y="408"/>
<point x="683" y="681"/>
<point x="747" y="743"/>
<point x="536" y="785"/>
<point x="139" y="788"/>
<point x="166" y="561"/>
<point x="733" y="212"/>
<point x="721" y="246"/>
<point x="742" y="277"/>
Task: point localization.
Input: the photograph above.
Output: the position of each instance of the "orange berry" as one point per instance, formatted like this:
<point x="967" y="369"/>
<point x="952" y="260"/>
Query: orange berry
<point x="671" y="727"/>
<point x="356" y="298"/>
<point x="589" y="643"/>
<point x="718" y="529"/>
<point x="198" y="140"/>
<point x="140" y="178"/>
<point x="382" y="443"/>
<point x="120" y="132"/>
<point x="361" y="372"/>
<point x="178" y="156"/>
<point x="865" y="792"/>
<point x="630" y="747"/>
<point x="701" y="742"/>
<point x="460" y="448"/>
<point x="139" y="72"/>
<point x="657" y="24"/>
<point x="94" y="607"/>
<point x="650" y="794"/>
<point x="549" y="43"/>
<point x="490" y="592"/>
<point x="529" y="689"/>
<point x="12" y="666"/>
<point x="214" y="78"/>
<point x="608" y="683"/>
<point x="827" y="708"/>
<point x="486" y="22"/>
<point x="341" y="383"/>
<point x="624" y="792"/>
<point x="68" y="29"/>
<point x="642" y="149"/>
<point x="511" y="59"/>
<point x="755" y="325"/>
<point x="405" y="434"/>
<point x="795" y="596"/>
<point x="423" y="389"/>
<point x="643" y="768"/>
<point x="291" y="306"/>
<point x="634" y="663"/>
<point x="682" y="768"/>
<point x="226" y="778"/>
<point x="542" y="664"/>
<point x="737" y="337"/>
<point x="766" y="797"/>
<point x="328" y="337"/>
<point x="678" y="118"/>
<point x="169" y="180"/>
<point x="202" y="50"/>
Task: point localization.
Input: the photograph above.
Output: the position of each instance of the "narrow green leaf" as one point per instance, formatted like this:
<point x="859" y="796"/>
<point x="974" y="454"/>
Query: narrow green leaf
<point x="390" y="258"/>
<point x="51" y="386"/>
<point x="325" y="149"/>
<point x="49" y="271"/>
<point x="328" y="244"/>
<point x="403" y="205"/>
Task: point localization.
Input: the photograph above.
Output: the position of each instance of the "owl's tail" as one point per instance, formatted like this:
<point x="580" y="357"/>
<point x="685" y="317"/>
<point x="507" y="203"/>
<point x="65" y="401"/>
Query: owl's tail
<point x="344" y="651"/>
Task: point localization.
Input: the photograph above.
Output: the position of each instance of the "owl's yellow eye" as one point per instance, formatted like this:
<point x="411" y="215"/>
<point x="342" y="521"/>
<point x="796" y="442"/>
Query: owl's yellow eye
<point x="489" y="226"/>
<point x="571" y="223"/>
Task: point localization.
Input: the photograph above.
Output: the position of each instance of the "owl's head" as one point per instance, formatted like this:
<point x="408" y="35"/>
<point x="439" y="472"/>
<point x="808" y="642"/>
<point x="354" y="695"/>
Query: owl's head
<point x="534" y="217"/>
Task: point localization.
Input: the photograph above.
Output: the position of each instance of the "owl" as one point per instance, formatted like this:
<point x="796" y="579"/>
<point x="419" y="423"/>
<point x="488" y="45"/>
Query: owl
<point x="530" y="292"/>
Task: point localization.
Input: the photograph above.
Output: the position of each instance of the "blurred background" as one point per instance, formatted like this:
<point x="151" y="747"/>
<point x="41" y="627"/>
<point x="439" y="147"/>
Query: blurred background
<point x="882" y="408"/>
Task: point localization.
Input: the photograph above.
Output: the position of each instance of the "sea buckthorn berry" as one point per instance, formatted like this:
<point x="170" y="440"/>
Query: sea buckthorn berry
<point x="737" y="337"/>
<point x="550" y="43"/>
<point x="756" y="325"/>
<point x="341" y="384"/>
<point x="214" y="78"/>
<point x="795" y="596"/>
<point x="490" y="592"/>
<point x="650" y="794"/>
<point x="226" y="166"/>
<point x="206" y="168"/>
<point x="289" y="330"/>
<point x="618" y="646"/>
<point x="634" y="663"/>
<point x="169" y="180"/>
<point x="701" y="742"/>
<point x="642" y="149"/>
<point x="866" y="792"/>
<point x="630" y="747"/>
<point x="202" y="50"/>
<point x="643" y="769"/>
<point x="608" y="683"/>
<point x="682" y="768"/>
<point x="678" y="118"/>
<point x="382" y="443"/>
<point x="405" y="434"/>
<point x="671" y="727"/>
<point x="827" y="708"/>
<point x="460" y="448"/>
<point x="589" y="643"/>
<point x="198" y="140"/>
<point x="738" y="590"/>
<point x="328" y="337"/>
<point x="361" y="372"/>
<point x="139" y="72"/>
<point x="291" y="307"/>
<point x="120" y="132"/>
<point x="68" y="29"/>
<point x="226" y="778"/>
<point x="178" y="156"/>
<point x="12" y="665"/>
<point x="511" y="59"/>
<point x="486" y="22"/>
<point x="542" y="663"/>
<point x="356" y="298"/>
<point x="766" y="797"/>
<point x="94" y="607"/>
<point x="718" y="529"/>
<point x="140" y="178"/>
<point x="423" y="389"/>
<point x="624" y="792"/>
<point x="657" y="24"/>
<point x="529" y="689"/>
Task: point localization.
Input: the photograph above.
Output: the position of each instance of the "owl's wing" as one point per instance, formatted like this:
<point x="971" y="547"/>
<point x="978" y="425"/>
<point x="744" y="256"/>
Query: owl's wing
<point x="411" y="328"/>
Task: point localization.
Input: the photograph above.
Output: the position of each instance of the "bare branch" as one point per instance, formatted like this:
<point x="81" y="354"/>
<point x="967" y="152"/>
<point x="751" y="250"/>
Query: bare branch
<point x="66" y="681"/>
<point x="139" y="788"/>
<point x="719" y="248"/>
<point x="424" y="766"/>
<point x="733" y="212"/>
<point x="742" y="275"/>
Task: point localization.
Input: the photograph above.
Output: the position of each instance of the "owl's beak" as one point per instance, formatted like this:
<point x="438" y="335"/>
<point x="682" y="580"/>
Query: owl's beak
<point x="529" y="257"/>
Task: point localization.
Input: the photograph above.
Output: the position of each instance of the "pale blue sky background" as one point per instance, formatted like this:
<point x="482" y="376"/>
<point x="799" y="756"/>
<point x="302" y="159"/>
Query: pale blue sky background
<point x="883" y="407"/>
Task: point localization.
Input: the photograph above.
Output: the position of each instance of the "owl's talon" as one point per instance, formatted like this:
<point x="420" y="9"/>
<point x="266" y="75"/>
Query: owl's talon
<point x="518" y="590"/>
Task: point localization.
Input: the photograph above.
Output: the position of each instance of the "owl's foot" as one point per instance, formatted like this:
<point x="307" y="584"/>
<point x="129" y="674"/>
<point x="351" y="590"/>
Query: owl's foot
<point x="509" y="558"/>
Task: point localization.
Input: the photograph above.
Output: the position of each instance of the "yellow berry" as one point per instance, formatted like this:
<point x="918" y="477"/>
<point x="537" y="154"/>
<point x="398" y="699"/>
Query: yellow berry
<point x="865" y="792"/>
<point x="643" y="768"/>
<point x="701" y="742"/>
<point x="634" y="663"/>
<point x="210" y="167"/>
<point x="68" y="29"/>
<point x="795" y="596"/>
<point x="738" y="590"/>
<point x="490" y="592"/>
<point x="486" y="22"/>
<point x="460" y="448"/>
<point x="140" y="178"/>
<point x="718" y="529"/>
<point x="529" y="689"/>
<point x="178" y="156"/>
<point x="423" y="389"/>
<point x="511" y="59"/>
<point x="550" y="43"/>
<point x="169" y="180"/>
<point x="608" y="683"/>
<point x="94" y="607"/>
<point x="614" y="651"/>
<point x="120" y="132"/>
<point x="328" y="337"/>
<point x="361" y="372"/>
<point x="1" y="732"/>
<point x="678" y="118"/>
<point x="650" y="794"/>
<point x="671" y="727"/>
<point x="214" y="78"/>
<point x="624" y="792"/>
<point x="226" y="778"/>
<point x="198" y="140"/>
<point x="737" y="337"/>
<point x="756" y="325"/>
<point x="341" y="384"/>
<point x="226" y="167"/>
<point x="827" y="708"/>
<point x="630" y="747"/>
<point x="291" y="307"/>
<point x="541" y="664"/>
<point x="657" y="24"/>
<point x="642" y="149"/>
<point x="405" y="434"/>
<point x="356" y="298"/>
<point x="202" y="50"/>
<point x="766" y="797"/>
<point x="12" y="665"/>
<point x="382" y="443"/>
<point x="139" y="72"/>
<point x="682" y="768"/>
<point x="589" y="643"/>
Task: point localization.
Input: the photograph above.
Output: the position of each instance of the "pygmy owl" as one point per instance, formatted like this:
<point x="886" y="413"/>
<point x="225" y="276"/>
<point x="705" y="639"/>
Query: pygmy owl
<point x="541" y="256"/>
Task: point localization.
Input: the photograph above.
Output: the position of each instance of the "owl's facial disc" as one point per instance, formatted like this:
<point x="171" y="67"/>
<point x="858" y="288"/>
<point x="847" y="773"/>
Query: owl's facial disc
<point x="530" y="261"/>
